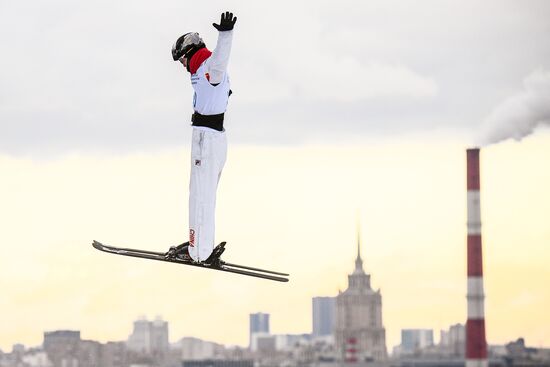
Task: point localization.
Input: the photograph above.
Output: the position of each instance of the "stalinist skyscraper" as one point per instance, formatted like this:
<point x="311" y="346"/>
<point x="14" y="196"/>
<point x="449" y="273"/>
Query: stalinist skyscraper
<point x="359" y="333"/>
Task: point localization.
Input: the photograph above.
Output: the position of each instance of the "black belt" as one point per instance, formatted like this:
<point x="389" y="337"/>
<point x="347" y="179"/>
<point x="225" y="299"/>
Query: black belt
<point x="212" y="121"/>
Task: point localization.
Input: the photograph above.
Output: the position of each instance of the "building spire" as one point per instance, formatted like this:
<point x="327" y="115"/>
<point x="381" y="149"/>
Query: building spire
<point x="358" y="260"/>
<point x="358" y="243"/>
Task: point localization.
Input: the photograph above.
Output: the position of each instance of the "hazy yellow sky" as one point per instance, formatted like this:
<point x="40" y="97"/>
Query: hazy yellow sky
<point x="283" y="208"/>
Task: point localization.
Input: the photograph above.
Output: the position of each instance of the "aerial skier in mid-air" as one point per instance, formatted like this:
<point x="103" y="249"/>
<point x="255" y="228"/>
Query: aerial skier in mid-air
<point x="211" y="86"/>
<point x="209" y="144"/>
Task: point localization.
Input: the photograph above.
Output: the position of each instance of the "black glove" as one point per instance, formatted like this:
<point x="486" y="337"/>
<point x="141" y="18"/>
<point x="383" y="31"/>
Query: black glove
<point x="226" y="23"/>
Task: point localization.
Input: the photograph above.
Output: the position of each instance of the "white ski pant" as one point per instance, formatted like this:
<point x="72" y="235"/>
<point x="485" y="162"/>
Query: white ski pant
<point x="208" y="155"/>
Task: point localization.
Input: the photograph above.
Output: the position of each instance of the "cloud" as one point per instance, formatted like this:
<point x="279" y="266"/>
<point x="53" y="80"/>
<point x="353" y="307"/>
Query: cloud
<point x="99" y="76"/>
<point x="347" y="80"/>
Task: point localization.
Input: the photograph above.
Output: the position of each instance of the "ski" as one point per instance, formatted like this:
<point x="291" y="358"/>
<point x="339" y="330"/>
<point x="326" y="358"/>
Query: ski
<point x="219" y="264"/>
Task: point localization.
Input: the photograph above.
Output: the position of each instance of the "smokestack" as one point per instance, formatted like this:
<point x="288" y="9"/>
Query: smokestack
<point x="476" y="345"/>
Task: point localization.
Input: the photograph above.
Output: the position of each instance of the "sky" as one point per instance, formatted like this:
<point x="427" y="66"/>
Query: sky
<point x="334" y="113"/>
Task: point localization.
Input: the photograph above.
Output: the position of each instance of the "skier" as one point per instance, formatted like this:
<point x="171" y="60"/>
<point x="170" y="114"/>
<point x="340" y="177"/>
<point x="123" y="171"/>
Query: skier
<point x="209" y="144"/>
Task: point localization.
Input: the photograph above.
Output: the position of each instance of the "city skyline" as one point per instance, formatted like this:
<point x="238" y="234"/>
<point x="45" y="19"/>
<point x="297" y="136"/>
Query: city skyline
<point x="148" y="346"/>
<point x="410" y="338"/>
<point x="336" y="113"/>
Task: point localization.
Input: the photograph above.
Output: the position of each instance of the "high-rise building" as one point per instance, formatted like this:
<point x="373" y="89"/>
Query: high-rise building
<point x="259" y="325"/>
<point x="415" y="339"/>
<point x="323" y="316"/>
<point x="140" y="339"/>
<point x="149" y="337"/>
<point x="453" y="341"/>
<point x="159" y="336"/>
<point x="358" y="331"/>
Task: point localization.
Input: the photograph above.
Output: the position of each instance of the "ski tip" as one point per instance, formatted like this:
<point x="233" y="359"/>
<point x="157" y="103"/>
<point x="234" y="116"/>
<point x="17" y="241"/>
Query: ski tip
<point x="278" y="279"/>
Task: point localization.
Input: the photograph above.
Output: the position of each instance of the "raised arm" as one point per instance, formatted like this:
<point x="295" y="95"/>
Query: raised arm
<point x="217" y="63"/>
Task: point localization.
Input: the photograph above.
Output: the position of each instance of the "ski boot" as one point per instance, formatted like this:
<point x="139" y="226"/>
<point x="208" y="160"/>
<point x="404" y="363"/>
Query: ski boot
<point x="179" y="252"/>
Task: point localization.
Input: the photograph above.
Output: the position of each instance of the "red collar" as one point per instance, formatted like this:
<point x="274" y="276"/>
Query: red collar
<point x="198" y="58"/>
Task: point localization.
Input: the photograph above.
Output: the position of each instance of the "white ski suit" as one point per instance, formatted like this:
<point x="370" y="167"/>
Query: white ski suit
<point x="209" y="147"/>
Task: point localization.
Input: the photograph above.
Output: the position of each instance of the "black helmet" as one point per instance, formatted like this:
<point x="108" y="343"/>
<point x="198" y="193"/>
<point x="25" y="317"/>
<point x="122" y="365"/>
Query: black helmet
<point x="187" y="45"/>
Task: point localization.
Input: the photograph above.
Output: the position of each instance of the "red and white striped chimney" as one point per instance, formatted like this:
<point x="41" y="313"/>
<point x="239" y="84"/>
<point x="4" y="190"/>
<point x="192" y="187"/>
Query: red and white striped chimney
<point x="476" y="345"/>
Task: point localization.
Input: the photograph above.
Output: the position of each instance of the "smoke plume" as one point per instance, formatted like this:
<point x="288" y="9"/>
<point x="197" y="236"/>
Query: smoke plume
<point x="519" y="115"/>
